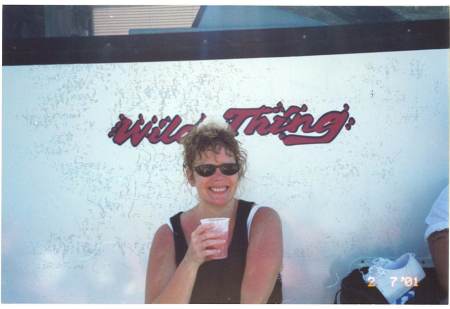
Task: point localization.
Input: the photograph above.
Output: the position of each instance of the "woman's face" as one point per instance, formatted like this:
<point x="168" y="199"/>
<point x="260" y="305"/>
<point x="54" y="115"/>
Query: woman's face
<point x="217" y="189"/>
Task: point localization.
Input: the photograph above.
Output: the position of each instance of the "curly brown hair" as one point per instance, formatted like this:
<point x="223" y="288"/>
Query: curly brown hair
<point x="212" y="137"/>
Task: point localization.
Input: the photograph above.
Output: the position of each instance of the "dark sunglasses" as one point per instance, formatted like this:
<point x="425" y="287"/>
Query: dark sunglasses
<point x="207" y="170"/>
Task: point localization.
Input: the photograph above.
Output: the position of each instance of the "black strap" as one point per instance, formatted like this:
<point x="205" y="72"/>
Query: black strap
<point x="178" y="236"/>
<point x="240" y="226"/>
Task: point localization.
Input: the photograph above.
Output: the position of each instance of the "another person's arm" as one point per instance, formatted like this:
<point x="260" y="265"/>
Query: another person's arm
<point x="166" y="283"/>
<point x="438" y="244"/>
<point x="264" y="257"/>
<point x="436" y="235"/>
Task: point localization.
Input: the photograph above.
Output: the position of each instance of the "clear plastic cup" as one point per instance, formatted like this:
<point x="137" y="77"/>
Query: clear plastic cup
<point x="220" y="226"/>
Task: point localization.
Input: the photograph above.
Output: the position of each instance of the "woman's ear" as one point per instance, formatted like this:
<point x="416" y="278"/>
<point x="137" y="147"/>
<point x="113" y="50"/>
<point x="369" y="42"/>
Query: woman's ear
<point x="190" y="176"/>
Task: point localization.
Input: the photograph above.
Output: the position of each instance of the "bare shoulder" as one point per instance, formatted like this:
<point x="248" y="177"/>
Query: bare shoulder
<point x="266" y="239"/>
<point x="163" y="238"/>
<point x="265" y="215"/>
<point x="266" y="221"/>
<point x="161" y="262"/>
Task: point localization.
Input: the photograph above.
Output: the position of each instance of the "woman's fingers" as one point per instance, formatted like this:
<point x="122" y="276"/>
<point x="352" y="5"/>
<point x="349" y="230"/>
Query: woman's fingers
<point x="212" y="242"/>
<point x="207" y="240"/>
<point x="211" y="252"/>
<point x="203" y="228"/>
<point x="205" y="231"/>
<point x="203" y="241"/>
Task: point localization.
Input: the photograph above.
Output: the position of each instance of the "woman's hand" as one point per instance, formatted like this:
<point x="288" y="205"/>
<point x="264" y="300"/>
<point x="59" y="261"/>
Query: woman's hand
<point x="168" y="283"/>
<point x="201" y="247"/>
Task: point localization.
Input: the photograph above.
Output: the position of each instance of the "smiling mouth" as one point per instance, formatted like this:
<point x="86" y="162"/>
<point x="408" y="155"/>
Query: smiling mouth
<point x="218" y="189"/>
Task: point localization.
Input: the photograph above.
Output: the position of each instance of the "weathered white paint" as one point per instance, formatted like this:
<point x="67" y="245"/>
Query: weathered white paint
<point x="79" y="211"/>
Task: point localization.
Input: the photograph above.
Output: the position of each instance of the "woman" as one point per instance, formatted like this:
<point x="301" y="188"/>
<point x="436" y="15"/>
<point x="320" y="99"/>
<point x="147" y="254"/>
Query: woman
<point x="181" y="265"/>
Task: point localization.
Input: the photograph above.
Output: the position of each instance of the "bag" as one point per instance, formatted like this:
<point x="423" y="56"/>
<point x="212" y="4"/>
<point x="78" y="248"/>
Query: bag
<point x="354" y="290"/>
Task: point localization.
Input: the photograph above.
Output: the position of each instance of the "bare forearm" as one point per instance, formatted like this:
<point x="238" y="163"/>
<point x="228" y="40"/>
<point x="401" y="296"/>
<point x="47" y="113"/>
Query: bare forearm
<point x="255" y="295"/>
<point x="179" y="288"/>
<point x="257" y="289"/>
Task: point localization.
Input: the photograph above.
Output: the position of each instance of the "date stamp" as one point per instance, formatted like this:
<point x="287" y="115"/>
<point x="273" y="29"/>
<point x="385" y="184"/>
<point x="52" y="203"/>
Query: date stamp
<point x="406" y="281"/>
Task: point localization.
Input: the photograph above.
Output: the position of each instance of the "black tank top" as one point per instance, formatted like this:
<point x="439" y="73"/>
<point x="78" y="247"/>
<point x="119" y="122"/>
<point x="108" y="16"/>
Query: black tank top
<point x="219" y="281"/>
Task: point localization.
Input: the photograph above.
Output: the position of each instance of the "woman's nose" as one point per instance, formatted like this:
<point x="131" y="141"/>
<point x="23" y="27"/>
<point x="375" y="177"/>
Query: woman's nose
<point x="218" y="173"/>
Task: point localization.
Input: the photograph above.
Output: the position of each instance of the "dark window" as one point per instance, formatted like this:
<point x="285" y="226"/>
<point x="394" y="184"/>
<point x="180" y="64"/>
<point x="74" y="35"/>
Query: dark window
<point x="88" y="34"/>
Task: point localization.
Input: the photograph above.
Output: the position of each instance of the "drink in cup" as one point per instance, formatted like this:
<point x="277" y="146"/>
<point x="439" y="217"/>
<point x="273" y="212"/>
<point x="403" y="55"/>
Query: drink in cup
<point x="220" y="226"/>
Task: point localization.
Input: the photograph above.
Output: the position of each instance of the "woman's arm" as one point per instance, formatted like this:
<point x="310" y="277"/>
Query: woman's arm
<point x="264" y="257"/>
<point x="163" y="278"/>
<point x="166" y="283"/>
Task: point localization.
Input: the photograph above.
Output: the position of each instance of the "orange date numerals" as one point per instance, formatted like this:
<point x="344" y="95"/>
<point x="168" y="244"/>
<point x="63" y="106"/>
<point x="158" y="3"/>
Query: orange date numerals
<point x="371" y="282"/>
